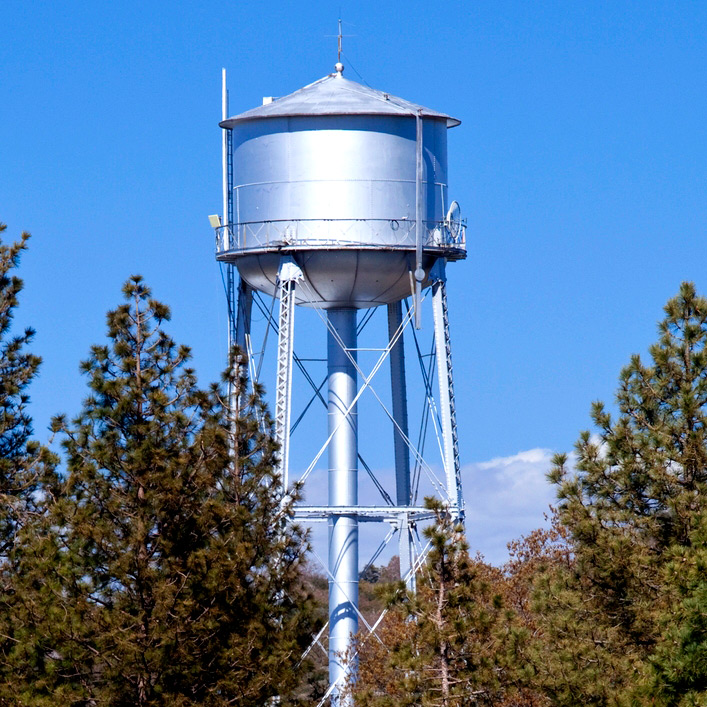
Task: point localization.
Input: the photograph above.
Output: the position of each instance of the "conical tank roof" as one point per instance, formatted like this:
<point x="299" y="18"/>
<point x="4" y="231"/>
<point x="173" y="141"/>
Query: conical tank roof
<point x="335" y="95"/>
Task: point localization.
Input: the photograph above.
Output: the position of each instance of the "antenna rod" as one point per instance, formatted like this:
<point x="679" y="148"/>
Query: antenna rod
<point x="224" y="146"/>
<point x="338" y="56"/>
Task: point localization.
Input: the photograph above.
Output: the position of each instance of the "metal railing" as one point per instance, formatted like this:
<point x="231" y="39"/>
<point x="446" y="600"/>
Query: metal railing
<point x="337" y="233"/>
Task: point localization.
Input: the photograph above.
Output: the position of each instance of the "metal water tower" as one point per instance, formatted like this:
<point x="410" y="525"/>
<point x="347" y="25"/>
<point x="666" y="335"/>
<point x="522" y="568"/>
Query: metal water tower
<point x="335" y="198"/>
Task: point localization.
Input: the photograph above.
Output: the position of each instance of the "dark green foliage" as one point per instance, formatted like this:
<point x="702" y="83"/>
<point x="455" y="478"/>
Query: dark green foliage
<point x="678" y="666"/>
<point x="18" y="468"/>
<point x="634" y="511"/>
<point x="168" y="577"/>
<point x="27" y="482"/>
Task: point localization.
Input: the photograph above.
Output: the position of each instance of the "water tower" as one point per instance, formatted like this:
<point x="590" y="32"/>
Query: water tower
<point x="335" y="198"/>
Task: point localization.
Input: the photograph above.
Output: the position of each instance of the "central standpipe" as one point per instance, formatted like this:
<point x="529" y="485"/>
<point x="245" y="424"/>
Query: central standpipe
<point x="343" y="492"/>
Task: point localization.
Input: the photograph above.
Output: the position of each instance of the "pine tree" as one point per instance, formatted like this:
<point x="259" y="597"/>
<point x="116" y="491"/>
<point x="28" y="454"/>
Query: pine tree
<point x="448" y="645"/>
<point x="543" y="552"/>
<point x="170" y="579"/>
<point x="634" y="503"/>
<point x="17" y="369"/>
<point x="677" y="674"/>
<point x="27" y="479"/>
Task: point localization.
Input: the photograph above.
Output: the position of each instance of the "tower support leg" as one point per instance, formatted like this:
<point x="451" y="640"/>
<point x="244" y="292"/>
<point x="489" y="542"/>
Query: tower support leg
<point x="239" y="308"/>
<point x="446" y="387"/>
<point x="244" y="307"/>
<point x="288" y="275"/>
<point x="241" y="330"/>
<point x="343" y="491"/>
<point x="400" y="437"/>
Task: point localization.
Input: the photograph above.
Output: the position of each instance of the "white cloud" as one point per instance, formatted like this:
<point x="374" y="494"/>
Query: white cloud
<point x="506" y="497"/>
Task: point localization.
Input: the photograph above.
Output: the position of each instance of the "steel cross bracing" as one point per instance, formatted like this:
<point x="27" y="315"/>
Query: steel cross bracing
<point x="437" y="483"/>
<point x="401" y="515"/>
<point x="400" y="433"/>
<point x="317" y="395"/>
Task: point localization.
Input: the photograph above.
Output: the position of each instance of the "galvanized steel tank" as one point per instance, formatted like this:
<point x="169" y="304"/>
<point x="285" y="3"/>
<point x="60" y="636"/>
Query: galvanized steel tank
<point x="328" y="176"/>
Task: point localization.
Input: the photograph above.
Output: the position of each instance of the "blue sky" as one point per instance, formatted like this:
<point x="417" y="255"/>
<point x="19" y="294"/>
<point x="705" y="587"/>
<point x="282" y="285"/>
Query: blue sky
<point x="579" y="164"/>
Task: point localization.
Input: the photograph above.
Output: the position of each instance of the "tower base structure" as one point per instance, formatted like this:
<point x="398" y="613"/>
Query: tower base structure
<point x="420" y="468"/>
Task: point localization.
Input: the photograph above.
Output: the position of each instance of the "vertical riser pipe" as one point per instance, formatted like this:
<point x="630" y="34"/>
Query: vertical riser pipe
<point x="343" y="491"/>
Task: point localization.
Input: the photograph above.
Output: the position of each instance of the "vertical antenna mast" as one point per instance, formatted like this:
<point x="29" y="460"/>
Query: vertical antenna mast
<point x="224" y="146"/>
<point x="338" y="56"/>
<point x="227" y="218"/>
<point x="339" y="66"/>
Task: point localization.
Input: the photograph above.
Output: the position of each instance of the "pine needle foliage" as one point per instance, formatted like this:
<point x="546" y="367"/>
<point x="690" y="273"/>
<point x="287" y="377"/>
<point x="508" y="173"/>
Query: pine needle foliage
<point x="677" y="675"/>
<point x="18" y="367"/>
<point x="27" y="479"/>
<point x="170" y="579"/>
<point x="634" y="504"/>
